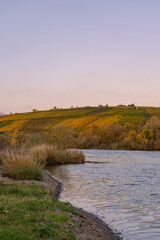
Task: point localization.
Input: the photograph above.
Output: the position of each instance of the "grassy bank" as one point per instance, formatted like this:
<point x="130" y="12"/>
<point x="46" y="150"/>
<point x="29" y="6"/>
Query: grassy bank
<point x="28" y="212"/>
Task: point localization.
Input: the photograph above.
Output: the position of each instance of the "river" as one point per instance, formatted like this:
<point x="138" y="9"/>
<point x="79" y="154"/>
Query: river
<point x="121" y="187"/>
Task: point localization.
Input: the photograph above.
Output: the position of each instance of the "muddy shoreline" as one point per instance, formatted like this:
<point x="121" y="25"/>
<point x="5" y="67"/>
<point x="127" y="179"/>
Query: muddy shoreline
<point x="89" y="226"/>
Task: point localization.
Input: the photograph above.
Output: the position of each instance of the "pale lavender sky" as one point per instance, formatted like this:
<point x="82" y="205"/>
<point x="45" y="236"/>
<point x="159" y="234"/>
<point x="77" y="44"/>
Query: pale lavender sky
<point x="78" y="52"/>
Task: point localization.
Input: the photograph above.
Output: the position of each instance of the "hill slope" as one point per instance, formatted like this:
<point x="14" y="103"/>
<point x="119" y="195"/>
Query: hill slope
<point x="78" y="118"/>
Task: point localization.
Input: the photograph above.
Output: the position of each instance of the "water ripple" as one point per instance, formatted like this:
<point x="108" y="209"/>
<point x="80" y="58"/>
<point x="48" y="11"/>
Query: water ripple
<point x="125" y="193"/>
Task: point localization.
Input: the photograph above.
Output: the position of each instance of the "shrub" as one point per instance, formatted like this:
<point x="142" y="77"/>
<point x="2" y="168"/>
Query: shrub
<point x="61" y="136"/>
<point x="129" y="127"/>
<point x="157" y="144"/>
<point x="145" y="136"/>
<point x="4" y="143"/>
<point x="153" y="123"/>
<point x="29" y="140"/>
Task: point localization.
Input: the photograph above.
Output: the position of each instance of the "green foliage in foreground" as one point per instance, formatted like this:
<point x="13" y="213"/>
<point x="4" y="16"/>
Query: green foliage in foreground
<point x="26" y="173"/>
<point x="27" y="212"/>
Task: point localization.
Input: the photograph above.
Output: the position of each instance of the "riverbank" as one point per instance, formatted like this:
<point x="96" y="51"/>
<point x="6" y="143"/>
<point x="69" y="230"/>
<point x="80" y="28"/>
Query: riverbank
<point x="86" y="225"/>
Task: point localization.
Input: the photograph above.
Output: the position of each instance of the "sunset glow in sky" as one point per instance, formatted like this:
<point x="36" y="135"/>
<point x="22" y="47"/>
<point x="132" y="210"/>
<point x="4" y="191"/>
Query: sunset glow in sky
<point x="77" y="53"/>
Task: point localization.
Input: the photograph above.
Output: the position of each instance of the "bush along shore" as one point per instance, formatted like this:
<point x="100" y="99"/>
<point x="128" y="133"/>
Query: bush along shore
<point x="30" y="210"/>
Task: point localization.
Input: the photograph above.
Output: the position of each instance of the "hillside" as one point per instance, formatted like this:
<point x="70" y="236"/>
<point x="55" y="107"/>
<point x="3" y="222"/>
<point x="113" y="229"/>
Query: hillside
<point x="78" y="118"/>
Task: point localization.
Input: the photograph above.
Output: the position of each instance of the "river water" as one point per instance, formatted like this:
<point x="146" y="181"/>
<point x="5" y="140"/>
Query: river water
<point x="121" y="187"/>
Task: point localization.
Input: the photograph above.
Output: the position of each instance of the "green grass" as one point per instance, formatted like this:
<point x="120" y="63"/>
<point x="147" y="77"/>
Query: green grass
<point x="27" y="212"/>
<point x="27" y="173"/>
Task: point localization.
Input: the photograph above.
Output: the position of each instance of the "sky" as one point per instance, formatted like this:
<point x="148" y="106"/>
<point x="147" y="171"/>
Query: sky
<point x="78" y="53"/>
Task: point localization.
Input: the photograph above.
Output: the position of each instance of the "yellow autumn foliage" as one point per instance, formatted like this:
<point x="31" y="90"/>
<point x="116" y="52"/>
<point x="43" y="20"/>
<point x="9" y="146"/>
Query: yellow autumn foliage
<point x="12" y="126"/>
<point x="132" y="135"/>
<point x="12" y="137"/>
<point x="47" y="114"/>
<point x="77" y="122"/>
<point x="145" y="136"/>
<point x="104" y="121"/>
<point x="153" y="110"/>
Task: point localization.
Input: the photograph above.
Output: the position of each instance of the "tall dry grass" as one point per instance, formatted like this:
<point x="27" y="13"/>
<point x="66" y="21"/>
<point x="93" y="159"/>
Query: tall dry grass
<point x="53" y="155"/>
<point x="27" y="163"/>
<point x="22" y="164"/>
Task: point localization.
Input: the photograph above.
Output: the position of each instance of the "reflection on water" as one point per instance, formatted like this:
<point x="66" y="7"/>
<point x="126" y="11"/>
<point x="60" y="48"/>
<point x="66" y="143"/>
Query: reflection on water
<point x="125" y="193"/>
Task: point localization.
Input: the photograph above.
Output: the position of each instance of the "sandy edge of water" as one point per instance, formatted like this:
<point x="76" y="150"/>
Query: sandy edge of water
<point x="89" y="226"/>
